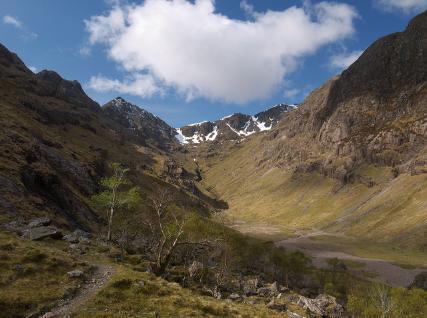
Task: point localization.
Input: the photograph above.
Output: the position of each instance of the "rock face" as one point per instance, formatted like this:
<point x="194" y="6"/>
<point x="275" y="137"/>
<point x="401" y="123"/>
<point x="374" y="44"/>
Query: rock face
<point x="140" y="125"/>
<point x="374" y="112"/>
<point x="41" y="232"/>
<point x="234" y="127"/>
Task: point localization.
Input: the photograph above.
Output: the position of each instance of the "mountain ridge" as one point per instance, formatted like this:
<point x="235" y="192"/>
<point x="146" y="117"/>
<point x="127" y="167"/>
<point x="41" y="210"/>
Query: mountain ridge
<point x="236" y="126"/>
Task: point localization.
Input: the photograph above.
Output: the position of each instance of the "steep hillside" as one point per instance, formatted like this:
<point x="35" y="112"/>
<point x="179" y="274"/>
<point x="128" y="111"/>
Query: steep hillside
<point x="56" y="143"/>
<point x="352" y="159"/>
<point x="233" y="127"/>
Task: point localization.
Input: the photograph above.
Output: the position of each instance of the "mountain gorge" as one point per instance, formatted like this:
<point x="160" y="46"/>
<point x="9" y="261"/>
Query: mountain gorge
<point x="225" y="201"/>
<point x="351" y="159"/>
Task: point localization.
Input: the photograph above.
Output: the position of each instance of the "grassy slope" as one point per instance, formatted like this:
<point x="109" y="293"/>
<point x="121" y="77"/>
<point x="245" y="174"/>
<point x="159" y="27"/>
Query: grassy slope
<point x="125" y="296"/>
<point x="392" y="211"/>
<point x="33" y="275"/>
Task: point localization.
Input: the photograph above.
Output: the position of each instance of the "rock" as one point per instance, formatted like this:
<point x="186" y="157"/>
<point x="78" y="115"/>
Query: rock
<point x="78" y="236"/>
<point x="293" y="314"/>
<point x="75" y="274"/>
<point x="277" y="306"/>
<point x="329" y="306"/>
<point x="234" y="297"/>
<point x="195" y="268"/>
<point x="270" y="290"/>
<point x="323" y="305"/>
<point x="51" y="315"/>
<point x="17" y="226"/>
<point x="250" y="287"/>
<point x="43" y="221"/>
<point x="420" y="281"/>
<point x="42" y="232"/>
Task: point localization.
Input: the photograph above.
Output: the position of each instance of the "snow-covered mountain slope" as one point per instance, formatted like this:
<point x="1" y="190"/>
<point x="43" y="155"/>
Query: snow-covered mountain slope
<point x="233" y="127"/>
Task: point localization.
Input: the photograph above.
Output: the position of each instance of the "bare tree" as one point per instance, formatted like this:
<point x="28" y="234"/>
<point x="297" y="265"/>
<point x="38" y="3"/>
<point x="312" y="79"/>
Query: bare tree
<point x="167" y="228"/>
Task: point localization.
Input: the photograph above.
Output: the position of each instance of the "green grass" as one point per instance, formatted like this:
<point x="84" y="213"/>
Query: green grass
<point x="392" y="212"/>
<point x="33" y="275"/>
<point x="135" y="294"/>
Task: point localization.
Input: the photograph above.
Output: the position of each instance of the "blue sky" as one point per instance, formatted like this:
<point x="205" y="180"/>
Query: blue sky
<point x="194" y="61"/>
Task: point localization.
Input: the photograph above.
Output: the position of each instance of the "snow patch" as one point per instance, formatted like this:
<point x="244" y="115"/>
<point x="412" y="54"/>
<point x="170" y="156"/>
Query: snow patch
<point x="213" y="134"/>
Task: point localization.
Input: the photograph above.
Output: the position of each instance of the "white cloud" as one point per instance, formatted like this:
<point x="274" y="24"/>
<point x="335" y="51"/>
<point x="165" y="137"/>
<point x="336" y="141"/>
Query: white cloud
<point x="247" y="8"/>
<point x="344" y="60"/>
<point x="33" y="69"/>
<point x="202" y="53"/>
<point x="139" y="85"/>
<point x="8" y="19"/>
<point x="407" y="6"/>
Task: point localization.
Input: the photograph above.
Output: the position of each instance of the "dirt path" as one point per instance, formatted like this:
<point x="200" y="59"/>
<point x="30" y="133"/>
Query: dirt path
<point x="100" y="277"/>
<point x="385" y="271"/>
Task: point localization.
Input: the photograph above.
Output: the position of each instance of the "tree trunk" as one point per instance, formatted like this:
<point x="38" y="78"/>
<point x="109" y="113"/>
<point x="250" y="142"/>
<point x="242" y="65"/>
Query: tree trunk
<point x="110" y="221"/>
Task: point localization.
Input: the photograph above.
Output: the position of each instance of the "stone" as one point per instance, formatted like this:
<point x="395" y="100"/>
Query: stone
<point x="234" y="297"/>
<point x="37" y="222"/>
<point x="42" y="232"/>
<point x="78" y="236"/>
<point x="195" y="268"/>
<point x="250" y="287"/>
<point x="293" y="314"/>
<point x="323" y="305"/>
<point x="75" y="274"/>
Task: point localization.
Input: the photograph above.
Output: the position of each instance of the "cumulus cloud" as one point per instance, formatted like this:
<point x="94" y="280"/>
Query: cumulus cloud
<point x="344" y="60"/>
<point x="407" y="6"/>
<point x="139" y="85"/>
<point x="8" y="19"/>
<point x="199" y="52"/>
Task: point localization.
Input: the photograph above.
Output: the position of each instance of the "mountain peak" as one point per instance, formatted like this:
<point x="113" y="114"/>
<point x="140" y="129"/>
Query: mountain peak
<point x="235" y="126"/>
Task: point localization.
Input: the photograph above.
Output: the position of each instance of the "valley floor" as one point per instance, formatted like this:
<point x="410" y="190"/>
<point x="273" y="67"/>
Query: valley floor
<point x="392" y="266"/>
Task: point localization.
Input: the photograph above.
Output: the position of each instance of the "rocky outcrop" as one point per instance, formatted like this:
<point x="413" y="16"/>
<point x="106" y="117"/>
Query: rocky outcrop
<point x="374" y="112"/>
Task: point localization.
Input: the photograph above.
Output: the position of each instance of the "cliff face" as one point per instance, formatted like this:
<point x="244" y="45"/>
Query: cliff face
<point x="374" y="112"/>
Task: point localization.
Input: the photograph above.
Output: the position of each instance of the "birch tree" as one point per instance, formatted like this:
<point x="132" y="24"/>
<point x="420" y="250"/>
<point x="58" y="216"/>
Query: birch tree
<point x="114" y="198"/>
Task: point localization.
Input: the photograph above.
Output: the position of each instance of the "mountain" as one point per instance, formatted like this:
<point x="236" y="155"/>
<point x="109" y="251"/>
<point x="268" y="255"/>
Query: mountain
<point x="140" y="125"/>
<point x="351" y="160"/>
<point x="233" y="127"/>
<point x="56" y="144"/>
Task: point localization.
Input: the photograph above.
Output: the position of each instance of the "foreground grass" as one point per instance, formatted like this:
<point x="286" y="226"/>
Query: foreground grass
<point x="33" y="275"/>
<point x="136" y="294"/>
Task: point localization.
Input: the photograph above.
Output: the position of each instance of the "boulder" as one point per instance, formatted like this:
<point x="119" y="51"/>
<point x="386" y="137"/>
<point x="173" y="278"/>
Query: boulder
<point x="42" y="232"/>
<point x="195" y="268"/>
<point x="37" y="222"/>
<point x="75" y="274"/>
<point x="234" y="297"/>
<point x="249" y="287"/>
<point x="293" y="314"/>
<point x="78" y="236"/>
<point x="323" y="305"/>
<point x="270" y="290"/>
